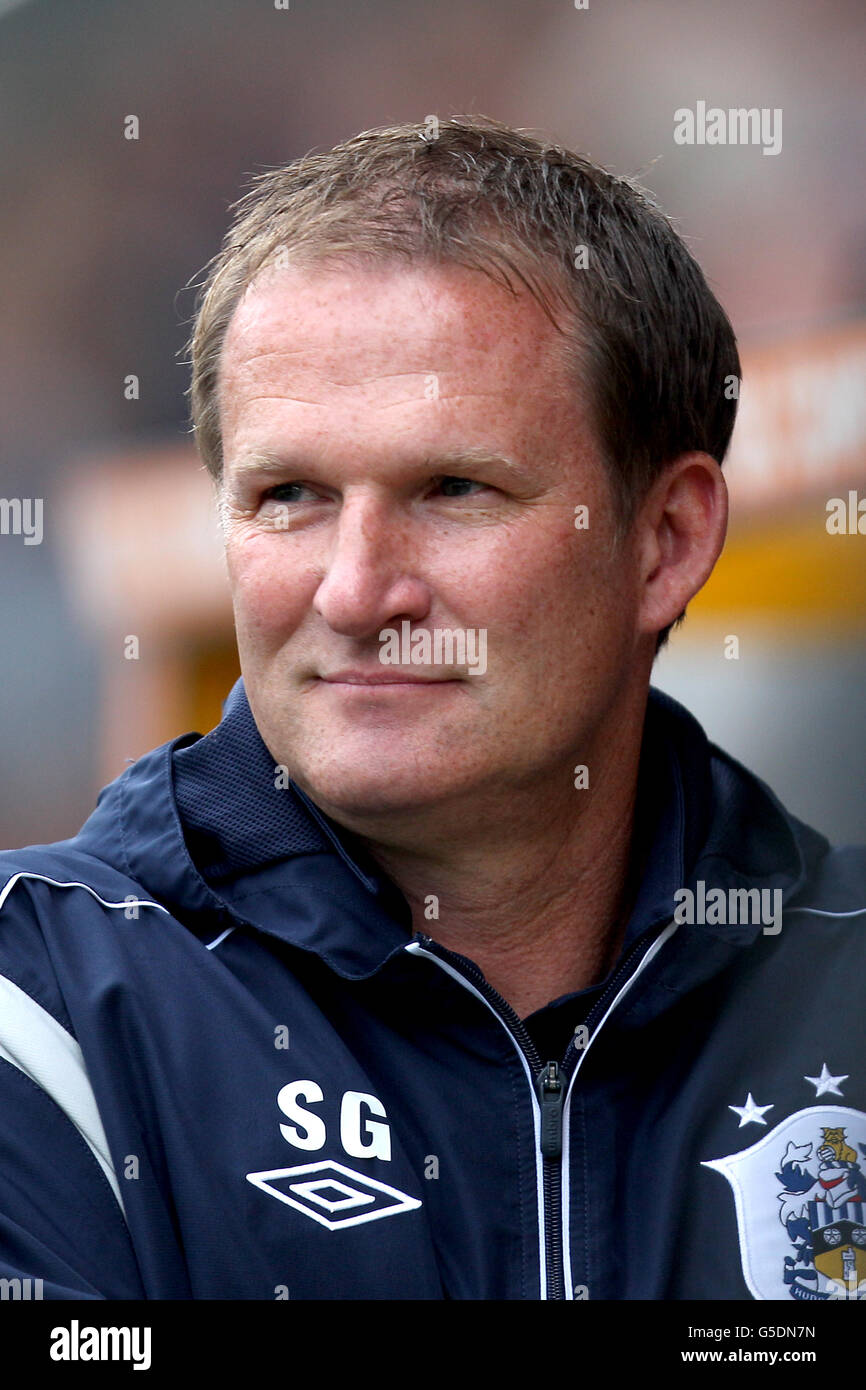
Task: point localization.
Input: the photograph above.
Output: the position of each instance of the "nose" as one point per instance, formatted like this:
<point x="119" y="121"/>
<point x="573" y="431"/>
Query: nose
<point x="368" y="579"/>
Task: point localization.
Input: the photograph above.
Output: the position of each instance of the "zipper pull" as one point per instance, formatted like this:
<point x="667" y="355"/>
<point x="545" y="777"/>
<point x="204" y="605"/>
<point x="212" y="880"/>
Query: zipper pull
<point x="549" y="1088"/>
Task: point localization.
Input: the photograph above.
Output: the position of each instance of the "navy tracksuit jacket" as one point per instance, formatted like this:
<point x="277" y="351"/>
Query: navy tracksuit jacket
<point x="228" y="1069"/>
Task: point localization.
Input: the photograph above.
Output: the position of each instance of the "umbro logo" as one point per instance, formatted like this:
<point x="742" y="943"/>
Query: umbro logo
<point x="332" y="1194"/>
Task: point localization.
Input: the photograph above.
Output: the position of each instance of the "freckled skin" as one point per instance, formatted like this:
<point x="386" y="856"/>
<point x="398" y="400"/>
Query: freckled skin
<point x="336" y="366"/>
<point x="464" y="788"/>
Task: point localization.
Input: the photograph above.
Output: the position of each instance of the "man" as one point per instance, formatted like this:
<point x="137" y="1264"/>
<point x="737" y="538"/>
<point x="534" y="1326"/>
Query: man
<point x="452" y="963"/>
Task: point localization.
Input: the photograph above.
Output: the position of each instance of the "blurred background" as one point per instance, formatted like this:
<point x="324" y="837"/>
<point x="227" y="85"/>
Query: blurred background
<point x="100" y="233"/>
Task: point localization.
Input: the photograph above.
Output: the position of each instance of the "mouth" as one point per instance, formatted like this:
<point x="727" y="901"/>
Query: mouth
<point x="380" y="679"/>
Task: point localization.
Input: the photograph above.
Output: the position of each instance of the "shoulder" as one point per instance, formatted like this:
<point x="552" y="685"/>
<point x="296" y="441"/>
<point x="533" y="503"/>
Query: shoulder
<point x="65" y="877"/>
<point x="59" y="911"/>
<point x="835" y="889"/>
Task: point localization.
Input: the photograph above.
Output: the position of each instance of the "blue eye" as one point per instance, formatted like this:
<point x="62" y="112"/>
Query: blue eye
<point x="276" y="494"/>
<point x="460" y="486"/>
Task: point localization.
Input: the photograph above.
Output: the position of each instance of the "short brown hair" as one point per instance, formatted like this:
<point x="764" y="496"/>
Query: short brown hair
<point x="643" y="331"/>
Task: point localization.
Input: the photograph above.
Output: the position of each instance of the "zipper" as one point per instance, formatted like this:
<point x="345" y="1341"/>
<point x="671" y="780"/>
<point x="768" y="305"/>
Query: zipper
<point x="552" y="1093"/>
<point x="553" y="1080"/>
<point x="622" y="975"/>
<point x="550" y="1086"/>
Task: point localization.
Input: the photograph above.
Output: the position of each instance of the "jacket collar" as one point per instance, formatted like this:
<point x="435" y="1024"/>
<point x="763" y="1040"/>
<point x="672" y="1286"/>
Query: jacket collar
<point x="207" y="826"/>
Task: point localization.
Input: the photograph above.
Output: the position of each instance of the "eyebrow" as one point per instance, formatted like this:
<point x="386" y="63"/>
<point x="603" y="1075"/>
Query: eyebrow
<point x="453" y="461"/>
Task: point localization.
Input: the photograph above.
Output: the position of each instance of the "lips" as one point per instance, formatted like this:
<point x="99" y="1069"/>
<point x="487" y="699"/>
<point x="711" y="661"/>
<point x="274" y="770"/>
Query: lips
<point x="382" y="678"/>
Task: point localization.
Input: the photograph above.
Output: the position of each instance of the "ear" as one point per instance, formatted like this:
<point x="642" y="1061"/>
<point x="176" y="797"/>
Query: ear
<point x="680" y="529"/>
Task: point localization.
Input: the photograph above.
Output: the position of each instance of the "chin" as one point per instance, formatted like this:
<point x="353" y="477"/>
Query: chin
<point x="372" y="790"/>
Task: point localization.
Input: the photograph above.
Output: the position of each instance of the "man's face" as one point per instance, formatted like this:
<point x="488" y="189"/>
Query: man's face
<point x="403" y="446"/>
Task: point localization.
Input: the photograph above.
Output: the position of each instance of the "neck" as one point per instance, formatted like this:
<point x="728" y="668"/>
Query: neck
<point x="538" y="897"/>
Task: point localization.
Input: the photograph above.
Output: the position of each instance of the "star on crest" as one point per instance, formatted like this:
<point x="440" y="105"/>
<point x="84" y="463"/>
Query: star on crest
<point x="825" y="1084"/>
<point x="751" y="1113"/>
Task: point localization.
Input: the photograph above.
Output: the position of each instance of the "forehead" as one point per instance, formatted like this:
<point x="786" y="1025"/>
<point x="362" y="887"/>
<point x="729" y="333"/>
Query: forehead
<point x="379" y="325"/>
<point x="344" y="365"/>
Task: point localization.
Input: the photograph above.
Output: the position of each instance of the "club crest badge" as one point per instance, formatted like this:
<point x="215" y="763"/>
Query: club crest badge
<point x="800" y="1195"/>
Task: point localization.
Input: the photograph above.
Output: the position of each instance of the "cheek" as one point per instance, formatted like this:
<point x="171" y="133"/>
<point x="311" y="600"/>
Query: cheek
<point x="270" y="590"/>
<point x="552" y="581"/>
